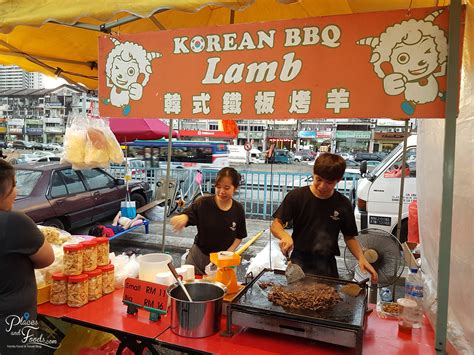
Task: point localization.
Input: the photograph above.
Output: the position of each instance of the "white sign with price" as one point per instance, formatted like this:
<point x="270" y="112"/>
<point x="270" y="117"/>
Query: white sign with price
<point x="247" y="147"/>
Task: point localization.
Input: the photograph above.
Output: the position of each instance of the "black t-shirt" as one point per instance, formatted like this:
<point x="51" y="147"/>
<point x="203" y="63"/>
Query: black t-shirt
<point x="19" y="238"/>
<point x="317" y="222"/>
<point x="217" y="229"/>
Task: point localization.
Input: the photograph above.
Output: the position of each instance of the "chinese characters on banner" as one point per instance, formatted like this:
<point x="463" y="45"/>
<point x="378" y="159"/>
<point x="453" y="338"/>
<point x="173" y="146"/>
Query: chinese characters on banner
<point x="368" y="65"/>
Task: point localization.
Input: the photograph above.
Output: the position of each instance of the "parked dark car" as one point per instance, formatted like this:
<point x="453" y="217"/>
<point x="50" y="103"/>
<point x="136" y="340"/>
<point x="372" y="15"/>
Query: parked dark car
<point x="303" y="155"/>
<point x="19" y="144"/>
<point x="48" y="159"/>
<point x="367" y="156"/>
<point x="54" y="194"/>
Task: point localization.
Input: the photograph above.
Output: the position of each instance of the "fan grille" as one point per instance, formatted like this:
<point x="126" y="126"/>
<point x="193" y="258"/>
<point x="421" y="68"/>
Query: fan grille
<point x="390" y="262"/>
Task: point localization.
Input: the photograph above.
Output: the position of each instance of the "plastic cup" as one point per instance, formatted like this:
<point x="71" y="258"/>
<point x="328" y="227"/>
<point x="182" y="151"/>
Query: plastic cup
<point x="164" y="278"/>
<point x="407" y="315"/>
<point x="182" y="272"/>
<point x="189" y="272"/>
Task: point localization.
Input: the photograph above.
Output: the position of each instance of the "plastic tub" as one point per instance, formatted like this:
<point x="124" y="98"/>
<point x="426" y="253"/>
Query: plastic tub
<point x="151" y="264"/>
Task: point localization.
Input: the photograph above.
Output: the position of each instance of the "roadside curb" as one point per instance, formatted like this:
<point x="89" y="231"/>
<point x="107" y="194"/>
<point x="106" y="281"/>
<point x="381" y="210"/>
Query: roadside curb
<point x="172" y="243"/>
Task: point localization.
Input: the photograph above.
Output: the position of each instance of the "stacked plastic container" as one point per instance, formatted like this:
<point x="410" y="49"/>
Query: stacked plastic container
<point x="414" y="291"/>
<point x="86" y="273"/>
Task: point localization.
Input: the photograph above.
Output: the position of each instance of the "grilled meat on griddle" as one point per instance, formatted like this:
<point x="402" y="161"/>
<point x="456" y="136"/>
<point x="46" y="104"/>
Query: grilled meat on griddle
<point x="315" y="297"/>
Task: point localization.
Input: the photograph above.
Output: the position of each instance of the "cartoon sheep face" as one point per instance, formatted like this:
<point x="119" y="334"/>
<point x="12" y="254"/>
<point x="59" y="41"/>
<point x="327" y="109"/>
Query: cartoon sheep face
<point x="124" y="73"/>
<point x="126" y="64"/>
<point x="416" y="60"/>
<point x="408" y="57"/>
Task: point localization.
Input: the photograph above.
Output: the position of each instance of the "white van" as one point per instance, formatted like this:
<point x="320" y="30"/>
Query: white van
<point x="238" y="155"/>
<point x="378" y="192"/>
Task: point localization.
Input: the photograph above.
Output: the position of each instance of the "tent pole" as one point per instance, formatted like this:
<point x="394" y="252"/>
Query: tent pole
<point x="402" y="181"/>
<point x="452" y="106"/>
<point x="167" y="184"/>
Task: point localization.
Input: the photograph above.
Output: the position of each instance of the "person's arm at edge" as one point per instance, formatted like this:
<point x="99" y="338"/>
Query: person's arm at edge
<point x="116" y="218"/>
<point x="235" y="244"/>
<point x="356" y="250"/>
<point x="43" y="257"/>
<point x="278" y="230"/>
<point x="179" y="222"/>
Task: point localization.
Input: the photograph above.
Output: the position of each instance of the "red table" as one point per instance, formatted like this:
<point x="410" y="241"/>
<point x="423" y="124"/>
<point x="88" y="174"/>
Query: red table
<point x="109" y="314"/>
<point x="380" y="337"/>
<point x="138" y="332"/>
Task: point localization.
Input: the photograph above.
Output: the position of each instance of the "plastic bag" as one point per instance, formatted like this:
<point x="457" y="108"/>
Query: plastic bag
<point x="78" y="337"/>
<point x="262" y="260"/>
<point x="128" y="209"/>
<point x="75" y="139"/>
<point x="184" y="257"/>
<point x="96" y="154"/>
<point x="109" y="348"/>
<point x="54" y="235"/>
<point x="113" y="147"/>
<point x="155" y="214"/>
<point x="128" y="269"/>
<point x="89" y="143"/>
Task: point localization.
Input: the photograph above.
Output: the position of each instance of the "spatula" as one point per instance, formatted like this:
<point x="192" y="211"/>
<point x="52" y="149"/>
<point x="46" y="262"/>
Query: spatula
<point x="293" y="272"/>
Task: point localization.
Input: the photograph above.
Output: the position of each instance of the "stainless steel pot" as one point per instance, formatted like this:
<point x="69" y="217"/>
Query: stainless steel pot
<point x="201" y="317"/>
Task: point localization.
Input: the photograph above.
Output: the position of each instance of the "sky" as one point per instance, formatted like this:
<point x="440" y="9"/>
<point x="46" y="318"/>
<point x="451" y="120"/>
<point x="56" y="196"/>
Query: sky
<point x="52" y="82"/>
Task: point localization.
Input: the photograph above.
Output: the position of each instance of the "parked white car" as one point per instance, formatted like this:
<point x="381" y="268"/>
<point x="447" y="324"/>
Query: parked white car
<point x="136" y="168"/>
<point x="346" y="156"/>
<point x="238" y="155"/>
<point x="378" y="192"/>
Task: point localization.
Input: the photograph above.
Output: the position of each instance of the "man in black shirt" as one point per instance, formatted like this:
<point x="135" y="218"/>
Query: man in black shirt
<point x="319" y="213"/>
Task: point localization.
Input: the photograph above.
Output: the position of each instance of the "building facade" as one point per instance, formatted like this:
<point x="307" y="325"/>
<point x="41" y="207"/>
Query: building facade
<point x="327" y="135"/>
<point x="13" y="77"/>
<point x="40" y="115"/>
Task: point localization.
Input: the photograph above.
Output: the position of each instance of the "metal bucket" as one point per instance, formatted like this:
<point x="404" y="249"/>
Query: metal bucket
<point x="201" y="317"/>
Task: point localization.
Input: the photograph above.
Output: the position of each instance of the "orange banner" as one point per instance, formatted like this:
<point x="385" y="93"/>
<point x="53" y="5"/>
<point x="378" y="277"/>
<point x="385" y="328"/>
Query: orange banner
<point x="371" y="65"/>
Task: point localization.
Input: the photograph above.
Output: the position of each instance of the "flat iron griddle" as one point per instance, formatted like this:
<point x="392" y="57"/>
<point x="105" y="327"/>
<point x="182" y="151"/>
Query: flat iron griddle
<point x="341" y="324"/>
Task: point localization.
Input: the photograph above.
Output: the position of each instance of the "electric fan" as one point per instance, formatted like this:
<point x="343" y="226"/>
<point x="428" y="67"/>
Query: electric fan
<point x="384" y="252"/>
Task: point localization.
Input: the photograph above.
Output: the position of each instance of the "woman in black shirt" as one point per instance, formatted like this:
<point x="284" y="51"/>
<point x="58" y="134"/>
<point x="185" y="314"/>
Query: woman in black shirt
<point x="220" y="221"/>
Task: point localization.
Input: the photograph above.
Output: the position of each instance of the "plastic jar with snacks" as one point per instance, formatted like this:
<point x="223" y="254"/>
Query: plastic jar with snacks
<point x="108" y="279"/>
<point x="102" y="251"/>
<point x="90" y="255"/>
<point x="58" y="293"/>
<point x="77" y="290"/>
<point x="73" y="259"/>
<point x="95" y="284"/>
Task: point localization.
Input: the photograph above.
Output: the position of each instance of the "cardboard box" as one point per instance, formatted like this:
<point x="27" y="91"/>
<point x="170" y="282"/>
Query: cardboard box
<point x="43" y="294"/>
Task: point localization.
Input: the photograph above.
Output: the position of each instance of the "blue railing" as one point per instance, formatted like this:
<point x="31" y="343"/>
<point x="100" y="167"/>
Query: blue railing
<point x="260" y="192"/>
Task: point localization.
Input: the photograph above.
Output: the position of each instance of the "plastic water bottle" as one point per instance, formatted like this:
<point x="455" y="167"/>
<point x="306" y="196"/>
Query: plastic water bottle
<point x="386" y="294"/>
<point x="184" y="256"/>
<point x="414" y="291"/>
